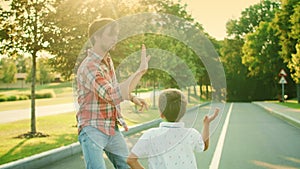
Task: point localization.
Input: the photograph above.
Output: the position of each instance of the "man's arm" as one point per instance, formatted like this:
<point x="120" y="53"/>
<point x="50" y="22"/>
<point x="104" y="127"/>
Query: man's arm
<point x="205" y="131"/>
<point x="129" y="85"/>
<point x="133" y="162"/>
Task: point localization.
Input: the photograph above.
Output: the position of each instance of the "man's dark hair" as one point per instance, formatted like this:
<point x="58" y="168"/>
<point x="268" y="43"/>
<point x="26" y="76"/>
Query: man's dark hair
<point x="96" y="27"/>
<point x="172" y="104"/>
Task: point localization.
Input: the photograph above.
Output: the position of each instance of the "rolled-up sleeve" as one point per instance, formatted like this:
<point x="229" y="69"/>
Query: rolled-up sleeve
<point x="101" y="84"/>
<point x="109" y="92"/>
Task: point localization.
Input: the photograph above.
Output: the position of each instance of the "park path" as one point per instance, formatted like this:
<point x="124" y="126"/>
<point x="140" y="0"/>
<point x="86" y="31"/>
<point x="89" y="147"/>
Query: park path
<point x="21" y="114"/>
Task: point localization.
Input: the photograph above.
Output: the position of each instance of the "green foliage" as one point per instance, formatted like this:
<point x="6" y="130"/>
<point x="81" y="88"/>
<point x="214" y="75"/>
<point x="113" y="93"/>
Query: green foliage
<point x="24" y="23"/>
<point x="260" y="56"/>
<point x="294" y="64"/>
<point x="69" y="50"/>
<point x="251" y="57"/>
<point x="283" y="23"/>
<point x="8" y="71"/>
<point x="23" y="96"/>
<point x="251" y="18"/>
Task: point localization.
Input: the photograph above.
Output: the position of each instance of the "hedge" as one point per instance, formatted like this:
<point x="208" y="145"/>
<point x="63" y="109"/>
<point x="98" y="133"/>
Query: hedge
<point x="39" y="95"/>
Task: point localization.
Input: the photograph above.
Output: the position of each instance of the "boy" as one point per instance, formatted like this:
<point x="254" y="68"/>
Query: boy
<point x="171" y="145"/>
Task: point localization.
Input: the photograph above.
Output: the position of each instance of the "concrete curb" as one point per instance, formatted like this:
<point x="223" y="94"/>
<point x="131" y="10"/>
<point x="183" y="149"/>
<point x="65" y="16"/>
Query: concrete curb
<point x="295" y="122"/>
<point x="42" y="159"/>
<point x="46" y="158"/>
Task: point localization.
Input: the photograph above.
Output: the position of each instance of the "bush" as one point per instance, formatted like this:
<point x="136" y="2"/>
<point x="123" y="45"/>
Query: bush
<point x="3" y="99"/>
<point x="41" y="95"/>
<point x="12" y="98"/>
<point x="23" y="97"/>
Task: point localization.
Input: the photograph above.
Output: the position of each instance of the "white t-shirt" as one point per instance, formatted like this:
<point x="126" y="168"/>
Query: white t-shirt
<point x="170" y="146"/>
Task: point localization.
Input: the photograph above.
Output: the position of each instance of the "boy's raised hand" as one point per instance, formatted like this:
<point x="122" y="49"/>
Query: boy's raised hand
<point x="207" y="119"/>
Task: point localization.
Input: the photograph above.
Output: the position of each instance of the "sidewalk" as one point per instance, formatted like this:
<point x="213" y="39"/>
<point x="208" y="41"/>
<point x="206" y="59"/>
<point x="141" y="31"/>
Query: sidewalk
<point x="290" y="115"/>
<point x="21" y="114"/>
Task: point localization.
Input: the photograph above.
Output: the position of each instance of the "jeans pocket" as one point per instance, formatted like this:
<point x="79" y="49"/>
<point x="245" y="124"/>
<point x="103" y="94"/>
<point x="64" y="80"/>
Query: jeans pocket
<point x="82" y="137"/>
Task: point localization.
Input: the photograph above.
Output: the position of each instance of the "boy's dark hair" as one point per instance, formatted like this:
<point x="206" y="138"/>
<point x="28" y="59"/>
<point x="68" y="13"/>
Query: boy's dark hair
<point x="96" y="26"/>
<point x="172" y="104"/>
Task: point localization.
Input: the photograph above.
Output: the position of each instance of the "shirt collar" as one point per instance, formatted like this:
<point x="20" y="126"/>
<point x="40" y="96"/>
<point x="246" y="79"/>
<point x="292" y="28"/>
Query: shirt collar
<point x="172" y="124"/>
<point x="94" y="55"/>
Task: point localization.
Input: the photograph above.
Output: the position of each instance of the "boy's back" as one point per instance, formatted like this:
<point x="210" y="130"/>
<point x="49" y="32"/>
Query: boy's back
<point x="170" y="146"/>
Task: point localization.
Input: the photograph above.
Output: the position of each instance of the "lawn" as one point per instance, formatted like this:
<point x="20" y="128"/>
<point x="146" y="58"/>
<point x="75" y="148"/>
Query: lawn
<point x="60" y="128"/>
<point x="290" y="103"/>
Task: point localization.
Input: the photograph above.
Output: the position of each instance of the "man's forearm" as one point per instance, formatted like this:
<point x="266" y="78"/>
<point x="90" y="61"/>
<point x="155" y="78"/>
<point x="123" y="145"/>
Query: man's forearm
<point x="129" y="84"/>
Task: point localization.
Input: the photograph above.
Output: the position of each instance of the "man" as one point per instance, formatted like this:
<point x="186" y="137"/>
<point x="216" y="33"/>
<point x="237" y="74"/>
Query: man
<point x="99" y="98"/>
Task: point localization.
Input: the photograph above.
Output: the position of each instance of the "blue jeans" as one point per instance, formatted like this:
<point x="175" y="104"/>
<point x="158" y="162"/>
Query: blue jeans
<point x="94" y="143"/>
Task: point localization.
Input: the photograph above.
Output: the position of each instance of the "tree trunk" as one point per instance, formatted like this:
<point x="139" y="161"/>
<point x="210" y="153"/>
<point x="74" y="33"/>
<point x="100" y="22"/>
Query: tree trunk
<point x="298" y="92"/>
<point x="200" y="87"/>
<point x="154" y="106"/>
<point x="195" y="90"/>
<point x="33" y="79"/>
<point x="189" y="94"/>
<point x="206" y="91"/>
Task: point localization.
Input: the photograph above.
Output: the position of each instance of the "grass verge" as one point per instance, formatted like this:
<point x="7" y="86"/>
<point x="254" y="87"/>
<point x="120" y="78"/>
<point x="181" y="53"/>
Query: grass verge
<point x="60" y="128"/>
<point x="291" y="104"/>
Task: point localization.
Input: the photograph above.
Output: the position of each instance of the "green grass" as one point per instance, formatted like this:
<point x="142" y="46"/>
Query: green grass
<point x="56" y="87"/>
<point x="60" y="128"/>
<point x="63" y="92"/>
<point x="291" y="104"/>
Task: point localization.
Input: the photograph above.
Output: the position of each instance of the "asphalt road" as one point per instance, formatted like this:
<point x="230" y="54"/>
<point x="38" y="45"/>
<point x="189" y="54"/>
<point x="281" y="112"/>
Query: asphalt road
<point x="256" y="139"/>
<point x="252" y="139"/>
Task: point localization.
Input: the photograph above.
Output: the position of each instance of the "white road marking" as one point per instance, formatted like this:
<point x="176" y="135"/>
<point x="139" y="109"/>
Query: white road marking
<point x="217" y="155"/>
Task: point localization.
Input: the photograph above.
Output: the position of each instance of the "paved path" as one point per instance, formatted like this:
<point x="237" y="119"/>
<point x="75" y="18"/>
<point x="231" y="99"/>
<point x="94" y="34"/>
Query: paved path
<point x="21" y="114"/>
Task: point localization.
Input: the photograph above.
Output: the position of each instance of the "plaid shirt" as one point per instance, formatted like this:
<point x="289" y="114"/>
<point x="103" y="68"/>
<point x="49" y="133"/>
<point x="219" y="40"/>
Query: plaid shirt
<point x="99" y="95"/>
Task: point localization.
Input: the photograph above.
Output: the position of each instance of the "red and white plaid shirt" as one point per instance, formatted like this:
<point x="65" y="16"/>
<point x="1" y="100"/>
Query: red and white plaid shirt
<point x="99" y="95"/>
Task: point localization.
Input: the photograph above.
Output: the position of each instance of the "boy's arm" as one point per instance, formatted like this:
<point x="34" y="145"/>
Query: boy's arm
<point x="133" y="162"/>
<point x="205" y="131"/>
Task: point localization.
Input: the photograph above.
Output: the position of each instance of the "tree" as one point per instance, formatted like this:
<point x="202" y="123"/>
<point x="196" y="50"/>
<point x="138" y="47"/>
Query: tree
<point x="72" y="21"/>
<point x="25" y="26"/>
<point x="240" y="85"/>
<point x="294" y="63"/>
<point x="260" y="56"/>
<point x="9" y="70"/>
<point x="44" y="71"/>
<point x="287" y="22"/>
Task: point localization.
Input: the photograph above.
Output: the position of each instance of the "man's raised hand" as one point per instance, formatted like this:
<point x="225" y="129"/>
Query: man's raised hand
<point x="144" y="60"/>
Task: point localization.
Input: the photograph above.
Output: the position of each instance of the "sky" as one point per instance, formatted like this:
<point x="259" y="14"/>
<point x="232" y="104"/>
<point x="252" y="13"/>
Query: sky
<point x="213" y="14"/>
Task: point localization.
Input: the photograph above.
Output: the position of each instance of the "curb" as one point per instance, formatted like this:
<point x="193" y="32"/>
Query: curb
<point x="293" y="121"/>
<point x="42" y="159"/>
<point x="46" y="158"/>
